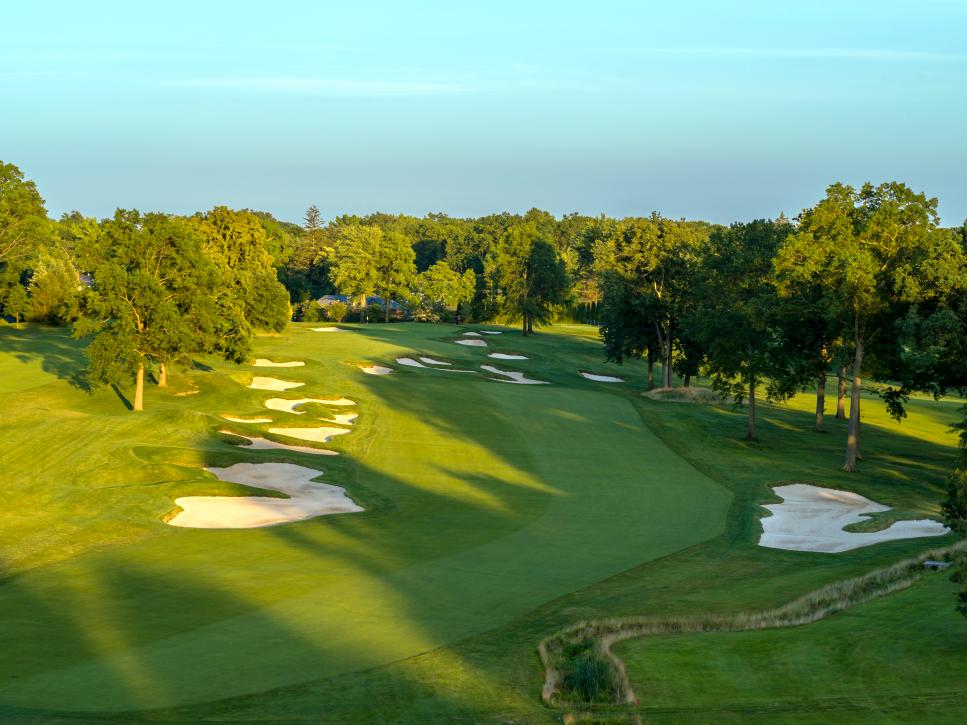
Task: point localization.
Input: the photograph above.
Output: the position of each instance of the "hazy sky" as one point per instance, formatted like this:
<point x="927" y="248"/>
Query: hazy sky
<point x="713" y="110"/>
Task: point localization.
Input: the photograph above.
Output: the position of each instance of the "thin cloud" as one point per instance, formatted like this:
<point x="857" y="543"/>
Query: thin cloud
<point x="871" y="54"/>
<point x="320" y="86"/>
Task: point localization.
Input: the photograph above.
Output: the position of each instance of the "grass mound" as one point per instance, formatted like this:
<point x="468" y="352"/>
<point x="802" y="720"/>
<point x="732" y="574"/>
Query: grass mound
<point x="691" y="394"/>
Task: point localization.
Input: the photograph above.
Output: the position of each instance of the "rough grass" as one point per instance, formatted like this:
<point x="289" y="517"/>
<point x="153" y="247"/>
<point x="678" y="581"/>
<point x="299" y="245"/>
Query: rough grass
<point x="496" y="514"/>
<point x="691" y="394"/>
<point x="581" y="670"/>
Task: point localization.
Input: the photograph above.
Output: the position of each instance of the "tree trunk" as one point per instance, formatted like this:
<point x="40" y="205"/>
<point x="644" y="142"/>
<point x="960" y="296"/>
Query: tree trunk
<point x="853" y="437"/>
<point x="163" y="375"/>
<point x="666" y="367"/>
<point x="750" y="434"/>
<point x="523" y="327"/>
<point x="530" y="325"/>
<point x="139" y="388"/>
<point x="821" y="402"/>
<point x="386" y="301"/>
<point x="687" y="382"/>
<point x="841" y="393"/>
<point x="651" y="370"/>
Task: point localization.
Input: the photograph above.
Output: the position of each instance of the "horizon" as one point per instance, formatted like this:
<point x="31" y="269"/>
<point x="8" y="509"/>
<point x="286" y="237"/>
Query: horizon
<point x="697" y="112"/>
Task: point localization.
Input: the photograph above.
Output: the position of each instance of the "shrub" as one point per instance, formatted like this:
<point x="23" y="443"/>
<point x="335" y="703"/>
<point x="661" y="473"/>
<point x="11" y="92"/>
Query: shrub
<point x="336" y="312"/>
<point x="374" y="312"/>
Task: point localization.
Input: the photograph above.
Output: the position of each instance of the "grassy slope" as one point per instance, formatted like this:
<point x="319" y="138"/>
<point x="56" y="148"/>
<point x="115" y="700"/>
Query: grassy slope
<point x="485" y="501"/>
<point x="899" y="658"/>
<point x="491" y="486"/>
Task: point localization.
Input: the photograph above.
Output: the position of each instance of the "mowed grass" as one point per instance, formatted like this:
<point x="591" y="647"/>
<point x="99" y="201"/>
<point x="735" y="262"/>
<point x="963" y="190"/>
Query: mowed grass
<point x="495" y="514"/>
<point x="484" y="501"/>
<point x="900" y="658"/>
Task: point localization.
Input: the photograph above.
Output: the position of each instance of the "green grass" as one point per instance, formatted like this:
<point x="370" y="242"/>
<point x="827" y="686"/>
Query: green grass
<point x="496" y="514"/>
<point x="898" y="658"/>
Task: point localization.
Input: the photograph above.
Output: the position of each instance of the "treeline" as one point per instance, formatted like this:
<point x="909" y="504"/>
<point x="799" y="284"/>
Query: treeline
<point x="865" y="285"/>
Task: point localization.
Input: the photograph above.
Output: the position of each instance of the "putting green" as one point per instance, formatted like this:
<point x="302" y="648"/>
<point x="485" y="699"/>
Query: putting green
<point x="483" y="501"/>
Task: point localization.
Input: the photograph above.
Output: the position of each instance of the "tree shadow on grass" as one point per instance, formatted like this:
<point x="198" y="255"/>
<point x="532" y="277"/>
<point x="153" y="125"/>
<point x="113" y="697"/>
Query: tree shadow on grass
<point x="57" y="352"/>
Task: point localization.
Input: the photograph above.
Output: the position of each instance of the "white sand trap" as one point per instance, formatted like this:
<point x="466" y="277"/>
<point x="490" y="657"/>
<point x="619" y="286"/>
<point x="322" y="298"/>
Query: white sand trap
<point x="375" y="369"/>
<point x="514" y="376"/>
<point x="506" y="356"/>
<point x="410" y="362"/>
<point x="328" y="329"/>
<point x="288" y="405"/>
<point x="321" y="434"/>
<point x="811" y="518"/>
<point x="234" y="419"/>
<point x="602" y="378"/>
<point x="262" y="362"/>
<point x="491" y="332"/>
<point x="260" y="383"/>
<point x="306" y="499"/>
<point x="345" y="418"/>
<point x="433" y="361"/>
<point x="471" y="334"/>
<point x="471" y="343"/>
<point x="257" y="443"/>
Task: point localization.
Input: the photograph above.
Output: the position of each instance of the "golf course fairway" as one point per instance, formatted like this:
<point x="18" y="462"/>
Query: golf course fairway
<point x="492" y="514"/>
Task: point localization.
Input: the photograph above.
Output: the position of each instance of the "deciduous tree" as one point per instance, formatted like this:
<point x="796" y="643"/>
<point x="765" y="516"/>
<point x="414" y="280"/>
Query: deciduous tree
<point x="875" y="252"/>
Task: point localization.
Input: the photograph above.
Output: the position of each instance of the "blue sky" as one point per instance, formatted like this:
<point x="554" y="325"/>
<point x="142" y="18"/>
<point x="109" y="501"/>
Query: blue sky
<point x="712" y="110"/>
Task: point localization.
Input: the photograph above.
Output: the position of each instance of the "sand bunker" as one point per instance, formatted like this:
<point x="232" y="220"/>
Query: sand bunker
<point x="506" y="356"/>
<point x="410" y="362"/>
<point x="472" y="343"/>
<point x="602" y="378"/>
<point x="328" y="329"/>
<point x="234" y="419"/>
<point x="491" y="332"/>
<point x="811" y="518"/>
<point x="472" y="334"/>
<point x="259" y="383"/>
<point x="433" y="361"/>
<point x="514" y="376"/>
<point x="262" y="362"/>
<point x="375" y="369"/>
<point x="264" y="444"/>
<point x="287" y="405"/>
<point x="306" y="499"/>
<point x="321" y="434"/>
<point x="345" y="418"/>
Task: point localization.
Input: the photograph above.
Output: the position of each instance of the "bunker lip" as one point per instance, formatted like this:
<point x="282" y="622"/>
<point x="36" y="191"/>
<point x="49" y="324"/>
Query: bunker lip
<point x="315" y="434"/>
<point x="289" y="405"/>
<point x="514" y="376"/>
<point x="433" y="361"/>
<point x="306" y="499"/>
<point x="600" y="378"/>
<point x="375" y="369"/>
<point x="812" y="518"/>
<point x="237" y="419"/>
<point x="262" y="362"/>
<point x="263" y="383"/>
<point x="257" y="443"/>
